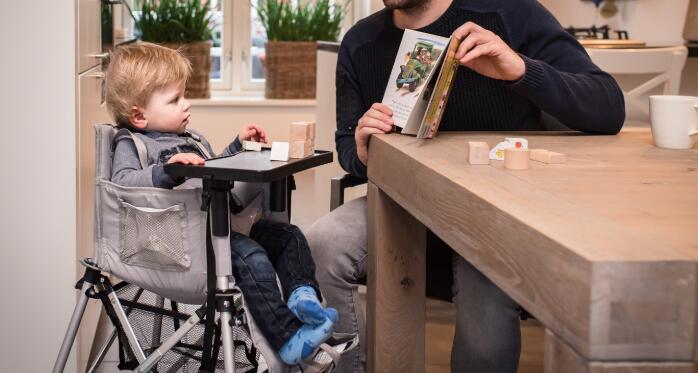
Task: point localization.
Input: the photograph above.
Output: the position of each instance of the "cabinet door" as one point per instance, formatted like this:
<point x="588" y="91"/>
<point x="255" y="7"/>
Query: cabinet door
<point x="89" y="40"/>
<point x="91" y="110"/>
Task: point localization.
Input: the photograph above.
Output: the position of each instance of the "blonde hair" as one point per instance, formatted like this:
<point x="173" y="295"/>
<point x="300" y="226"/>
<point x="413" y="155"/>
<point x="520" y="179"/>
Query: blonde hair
<point x="136" y="71"/>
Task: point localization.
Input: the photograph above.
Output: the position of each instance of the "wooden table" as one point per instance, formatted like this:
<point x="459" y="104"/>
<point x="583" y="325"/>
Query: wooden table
<point x="602" y="249"/>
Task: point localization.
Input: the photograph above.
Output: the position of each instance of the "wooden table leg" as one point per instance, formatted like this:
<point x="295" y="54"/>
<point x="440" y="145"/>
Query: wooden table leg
<point x="396" y="286"/>
<point x="559" y="357"/>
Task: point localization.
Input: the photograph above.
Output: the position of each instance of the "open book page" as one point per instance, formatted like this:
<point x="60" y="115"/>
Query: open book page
<point x="417" y="60"/>
<point x="437" y="102"/>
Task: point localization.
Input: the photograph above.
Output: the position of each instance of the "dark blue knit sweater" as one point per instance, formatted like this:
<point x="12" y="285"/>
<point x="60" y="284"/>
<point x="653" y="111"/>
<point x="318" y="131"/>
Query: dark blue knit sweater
<point x="560" y="78"/>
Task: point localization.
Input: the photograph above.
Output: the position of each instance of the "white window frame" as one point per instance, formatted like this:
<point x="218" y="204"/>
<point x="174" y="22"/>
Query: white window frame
<point x="225" y="83"/>
<point x="245" y="61"/>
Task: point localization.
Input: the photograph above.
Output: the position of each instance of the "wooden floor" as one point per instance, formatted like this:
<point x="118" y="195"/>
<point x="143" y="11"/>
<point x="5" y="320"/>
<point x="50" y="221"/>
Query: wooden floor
<point x="440" y="329"/>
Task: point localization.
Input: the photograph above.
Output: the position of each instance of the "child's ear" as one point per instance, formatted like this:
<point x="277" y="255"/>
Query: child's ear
<point x="137" y="118"/>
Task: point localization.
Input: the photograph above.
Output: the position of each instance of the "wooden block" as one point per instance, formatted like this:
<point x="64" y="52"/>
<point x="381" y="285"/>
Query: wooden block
<point x="301" y="131"/>
<point x="478" y="153"/>
<point x="546" y="156"/>
<point x="252" y="145"/>
<point x="312" y="130"/>
<point x="516" y="159"/>
<point x="279" y="151"/>
<point x="301" y="149"/>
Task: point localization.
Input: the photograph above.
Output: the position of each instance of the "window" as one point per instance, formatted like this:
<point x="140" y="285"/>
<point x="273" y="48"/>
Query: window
<point x="221" y="51"/>
<point x="238" y="45"/>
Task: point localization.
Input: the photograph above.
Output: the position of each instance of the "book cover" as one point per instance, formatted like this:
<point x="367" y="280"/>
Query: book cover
<point x="420" y="82"/>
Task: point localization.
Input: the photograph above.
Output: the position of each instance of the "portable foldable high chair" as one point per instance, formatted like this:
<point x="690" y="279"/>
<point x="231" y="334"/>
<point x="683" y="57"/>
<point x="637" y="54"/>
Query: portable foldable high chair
<point x="178" y="308"/>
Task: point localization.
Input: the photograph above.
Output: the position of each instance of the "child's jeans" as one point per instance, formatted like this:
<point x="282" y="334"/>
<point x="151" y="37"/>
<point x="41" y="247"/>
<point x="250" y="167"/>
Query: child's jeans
<point x="273" y="249"/>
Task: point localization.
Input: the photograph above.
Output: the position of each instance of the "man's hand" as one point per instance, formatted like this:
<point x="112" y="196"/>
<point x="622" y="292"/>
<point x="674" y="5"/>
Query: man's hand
<point x="378" y="119"/>
<point x="252" y="132"/>
<point x="487" y="54"/>
<point x="186" y="158"/>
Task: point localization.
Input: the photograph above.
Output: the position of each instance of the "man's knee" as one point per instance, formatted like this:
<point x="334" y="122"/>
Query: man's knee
<point x="338" y="241"/>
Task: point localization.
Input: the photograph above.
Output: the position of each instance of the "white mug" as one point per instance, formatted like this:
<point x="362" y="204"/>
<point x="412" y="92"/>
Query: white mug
<point x="674" y="121"/>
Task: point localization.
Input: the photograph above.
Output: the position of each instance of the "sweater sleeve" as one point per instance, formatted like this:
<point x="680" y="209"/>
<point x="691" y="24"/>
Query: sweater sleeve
<point x="560" y="77"/>
<point x="232" y="148"/>
<point x="350" y="108"/>
<point x="127" y="171"/>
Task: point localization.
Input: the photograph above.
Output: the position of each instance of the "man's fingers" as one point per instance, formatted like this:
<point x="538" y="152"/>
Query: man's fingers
<point x="477" y="52"/>
<point x="385" y="109"/>
<point x="373" y="131"/>
<point x="365" y="133"/>
<point x="374" y="123"/>
<point x="466" y="29"/>
<point x="471" y="41"/>
<point x="375" y="114"/>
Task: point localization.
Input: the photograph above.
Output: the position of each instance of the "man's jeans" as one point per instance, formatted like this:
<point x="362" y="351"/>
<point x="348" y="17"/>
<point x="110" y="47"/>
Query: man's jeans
<point x="487" y="326"/>
<point x="273" y="249"/>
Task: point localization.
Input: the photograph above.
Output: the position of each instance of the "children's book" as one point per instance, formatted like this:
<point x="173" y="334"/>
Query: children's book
<point x="420" y="82"/>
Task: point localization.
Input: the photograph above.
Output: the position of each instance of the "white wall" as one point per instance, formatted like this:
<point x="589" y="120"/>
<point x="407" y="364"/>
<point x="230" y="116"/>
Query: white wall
<point x="221" y="123"/>
<point x="657" y="22"/>
<point x="37" y="195"/>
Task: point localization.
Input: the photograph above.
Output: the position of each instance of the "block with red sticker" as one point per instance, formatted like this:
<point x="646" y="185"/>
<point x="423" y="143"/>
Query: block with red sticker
<point x="497" y="153"/>
<point x="518" y="142"/>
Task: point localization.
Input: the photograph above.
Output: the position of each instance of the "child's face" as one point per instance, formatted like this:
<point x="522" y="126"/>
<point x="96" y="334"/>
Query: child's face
<point x="167" y="110"/>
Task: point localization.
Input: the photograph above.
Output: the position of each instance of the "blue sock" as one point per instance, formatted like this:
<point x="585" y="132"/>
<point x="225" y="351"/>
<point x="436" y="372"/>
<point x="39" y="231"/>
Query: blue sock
<point x="307" y="339"/>
<point x="303" y="302"/>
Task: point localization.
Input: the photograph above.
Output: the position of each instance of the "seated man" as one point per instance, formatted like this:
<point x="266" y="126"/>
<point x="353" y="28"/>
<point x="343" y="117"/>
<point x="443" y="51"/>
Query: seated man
<point x="517" y="61"/>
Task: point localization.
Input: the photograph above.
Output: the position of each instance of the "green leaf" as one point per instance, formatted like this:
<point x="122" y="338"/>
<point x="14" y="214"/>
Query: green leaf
<point x="307" y="21"/>
<point x="175" y="21"/>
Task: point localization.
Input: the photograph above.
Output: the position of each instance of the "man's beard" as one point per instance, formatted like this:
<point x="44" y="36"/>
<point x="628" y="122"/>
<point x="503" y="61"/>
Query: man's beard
<point x="408" y="5"/>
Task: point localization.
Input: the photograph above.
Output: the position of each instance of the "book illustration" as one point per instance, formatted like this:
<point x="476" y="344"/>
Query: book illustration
<point x="418" y="65"/>
<point x="415" y="95"/>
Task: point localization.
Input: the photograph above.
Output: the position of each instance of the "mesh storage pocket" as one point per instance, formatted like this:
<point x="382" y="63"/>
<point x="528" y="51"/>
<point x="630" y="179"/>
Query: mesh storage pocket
<point x="153" y="238"/>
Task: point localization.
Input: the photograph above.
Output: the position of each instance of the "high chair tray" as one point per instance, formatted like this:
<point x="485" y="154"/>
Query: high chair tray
<point x="249" y="166"/>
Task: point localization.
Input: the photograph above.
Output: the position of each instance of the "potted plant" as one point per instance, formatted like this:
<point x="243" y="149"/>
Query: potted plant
<point x="292" y="33"/>
<point x="185" y="25"/>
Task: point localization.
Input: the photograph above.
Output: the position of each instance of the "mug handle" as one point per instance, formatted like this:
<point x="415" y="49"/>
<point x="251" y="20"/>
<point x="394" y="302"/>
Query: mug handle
<point x="695" y="131"/>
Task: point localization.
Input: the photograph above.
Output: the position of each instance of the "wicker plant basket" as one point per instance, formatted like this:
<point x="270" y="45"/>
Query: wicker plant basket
<point x="199" y="54"/>
<point x="289" y="68"/>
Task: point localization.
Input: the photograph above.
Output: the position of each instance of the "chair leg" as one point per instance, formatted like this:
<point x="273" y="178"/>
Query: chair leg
<point x="157" y="323"/>
<point x="72" y="331"/>
<point x="102" y="351"/>
<point x="112" y="336"/>
<point x="122" y="317"/>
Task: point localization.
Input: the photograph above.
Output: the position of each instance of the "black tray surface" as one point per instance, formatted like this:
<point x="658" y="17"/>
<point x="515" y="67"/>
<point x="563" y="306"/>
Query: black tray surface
<point x="249" y="166"/>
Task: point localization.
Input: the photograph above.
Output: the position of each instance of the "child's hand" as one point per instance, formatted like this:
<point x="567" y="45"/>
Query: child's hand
<point x="186" y="158"/>
<point x="253" y="132"/>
